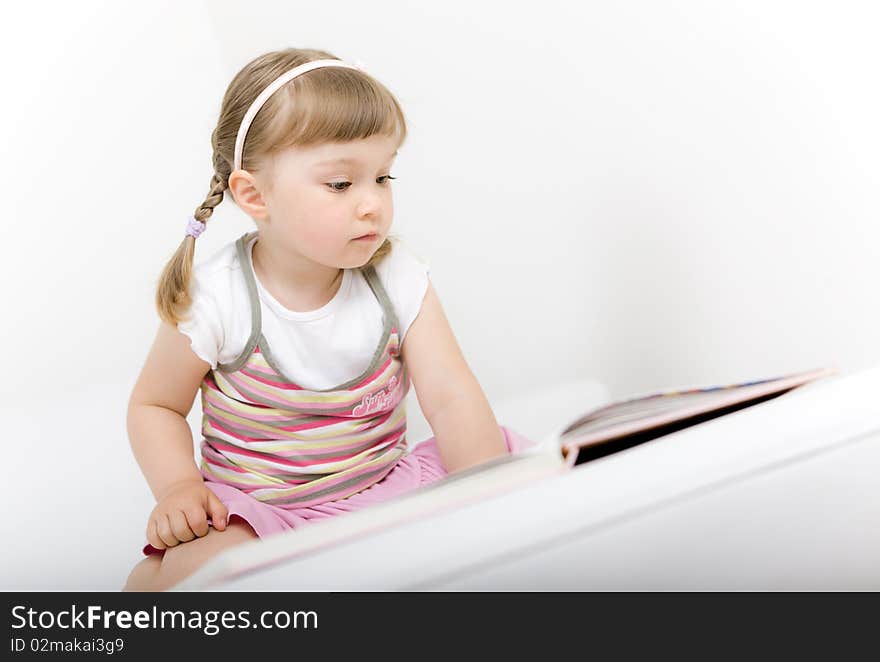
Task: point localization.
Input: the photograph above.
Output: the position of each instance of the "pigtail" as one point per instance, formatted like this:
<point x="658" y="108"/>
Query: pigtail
<point x="172" y="293"/>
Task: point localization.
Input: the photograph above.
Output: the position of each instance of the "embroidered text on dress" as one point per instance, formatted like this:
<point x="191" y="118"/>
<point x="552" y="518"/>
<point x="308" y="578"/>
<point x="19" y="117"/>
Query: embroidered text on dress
<point x="374" y="402"/>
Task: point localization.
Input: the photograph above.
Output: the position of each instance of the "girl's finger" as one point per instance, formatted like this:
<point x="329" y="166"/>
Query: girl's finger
<point x="218" y="512"/>
<point x="163" y="529"/>
<point x="153" y="536"/>
<point x="179" y="527"/>
<point x="197" y="520"/>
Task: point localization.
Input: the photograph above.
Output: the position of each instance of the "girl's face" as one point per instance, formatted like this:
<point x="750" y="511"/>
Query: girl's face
<point x="323" y="198"/>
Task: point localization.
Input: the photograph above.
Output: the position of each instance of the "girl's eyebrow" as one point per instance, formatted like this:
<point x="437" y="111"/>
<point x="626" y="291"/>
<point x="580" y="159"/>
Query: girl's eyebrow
<point x="344" y="160"/>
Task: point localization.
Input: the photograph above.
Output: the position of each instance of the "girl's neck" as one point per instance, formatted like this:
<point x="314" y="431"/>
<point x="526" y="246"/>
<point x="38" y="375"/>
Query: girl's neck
<point x="298" y="289"/>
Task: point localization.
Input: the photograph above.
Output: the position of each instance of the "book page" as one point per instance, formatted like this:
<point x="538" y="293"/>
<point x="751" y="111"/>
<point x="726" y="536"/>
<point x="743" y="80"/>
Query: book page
<point x="638" y="410"/>
<point x="669" y="405"/>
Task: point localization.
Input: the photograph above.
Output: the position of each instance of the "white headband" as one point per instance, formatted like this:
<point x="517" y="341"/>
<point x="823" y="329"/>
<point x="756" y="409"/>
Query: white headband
<point x="271" y="89"/>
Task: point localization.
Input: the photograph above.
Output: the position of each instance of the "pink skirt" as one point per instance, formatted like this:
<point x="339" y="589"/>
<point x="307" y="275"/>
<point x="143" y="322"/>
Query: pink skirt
<point x="421" y="466"/>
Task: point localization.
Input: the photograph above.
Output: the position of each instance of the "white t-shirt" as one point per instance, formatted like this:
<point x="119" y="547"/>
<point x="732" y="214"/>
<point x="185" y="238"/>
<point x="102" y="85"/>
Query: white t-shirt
<point x="317" y="349"/>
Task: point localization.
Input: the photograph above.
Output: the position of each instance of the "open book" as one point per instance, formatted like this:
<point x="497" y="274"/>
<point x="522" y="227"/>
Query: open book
<point x="597" y="433"/>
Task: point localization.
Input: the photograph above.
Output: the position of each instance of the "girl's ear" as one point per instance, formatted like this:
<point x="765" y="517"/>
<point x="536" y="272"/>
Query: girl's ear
<point x="245" y="190"/>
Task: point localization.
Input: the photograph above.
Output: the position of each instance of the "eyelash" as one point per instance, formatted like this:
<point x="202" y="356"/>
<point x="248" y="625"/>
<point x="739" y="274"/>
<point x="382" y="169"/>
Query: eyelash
<point x="343" y="190"/>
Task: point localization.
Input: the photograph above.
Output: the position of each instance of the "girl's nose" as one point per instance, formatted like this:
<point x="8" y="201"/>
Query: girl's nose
<point x="370" y="204"/>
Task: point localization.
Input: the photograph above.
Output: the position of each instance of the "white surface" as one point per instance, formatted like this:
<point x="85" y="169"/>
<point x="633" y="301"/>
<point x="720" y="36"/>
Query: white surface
<point x="774" y="496"/>
<point x="805" y="524"/>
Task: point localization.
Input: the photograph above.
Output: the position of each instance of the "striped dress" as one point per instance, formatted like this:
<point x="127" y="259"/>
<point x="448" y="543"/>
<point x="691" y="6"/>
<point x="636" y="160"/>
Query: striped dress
<point x="292" y="446"/>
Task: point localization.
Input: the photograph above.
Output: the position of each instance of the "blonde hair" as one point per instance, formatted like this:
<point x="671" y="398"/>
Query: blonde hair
<point x="330" y="104"/>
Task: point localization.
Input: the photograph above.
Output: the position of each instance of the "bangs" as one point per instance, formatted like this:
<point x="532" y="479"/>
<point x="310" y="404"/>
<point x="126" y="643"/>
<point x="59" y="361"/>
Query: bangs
<point x="339" y="105"/>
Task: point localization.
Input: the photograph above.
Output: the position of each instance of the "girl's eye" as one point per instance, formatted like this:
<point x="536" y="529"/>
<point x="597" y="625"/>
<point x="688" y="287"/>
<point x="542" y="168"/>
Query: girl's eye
<point x="333" y="185"/>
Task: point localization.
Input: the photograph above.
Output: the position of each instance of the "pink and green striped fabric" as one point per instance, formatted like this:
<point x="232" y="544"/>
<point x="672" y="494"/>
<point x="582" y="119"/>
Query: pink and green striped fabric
<point x="294" y="447"/>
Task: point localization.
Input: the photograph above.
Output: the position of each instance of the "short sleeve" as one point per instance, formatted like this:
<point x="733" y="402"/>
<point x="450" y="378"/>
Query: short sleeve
<point x="203" y="323"/>
<point x="405" y="275"/>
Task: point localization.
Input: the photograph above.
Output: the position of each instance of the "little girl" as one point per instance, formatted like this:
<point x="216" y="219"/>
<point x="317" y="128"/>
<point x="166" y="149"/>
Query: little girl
<point x="303" y="335"/>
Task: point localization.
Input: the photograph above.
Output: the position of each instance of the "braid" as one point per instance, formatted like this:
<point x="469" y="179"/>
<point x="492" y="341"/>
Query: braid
<point x="219" y="183"/>
<point x="172" y="295"/>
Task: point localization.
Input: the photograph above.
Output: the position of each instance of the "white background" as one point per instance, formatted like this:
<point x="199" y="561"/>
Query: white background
<point x="644" y="194"/>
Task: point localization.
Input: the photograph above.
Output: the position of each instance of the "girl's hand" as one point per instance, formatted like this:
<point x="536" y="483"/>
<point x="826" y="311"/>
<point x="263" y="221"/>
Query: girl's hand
<point x="182" y="515"/>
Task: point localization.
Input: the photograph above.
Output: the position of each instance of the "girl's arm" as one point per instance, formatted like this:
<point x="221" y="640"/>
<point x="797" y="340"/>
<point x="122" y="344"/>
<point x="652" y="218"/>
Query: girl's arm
<point x="162" y="397"/>
<point x="450" y="396"/>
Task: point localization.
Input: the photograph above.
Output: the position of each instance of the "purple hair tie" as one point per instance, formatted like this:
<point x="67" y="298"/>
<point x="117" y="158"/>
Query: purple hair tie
<point x="194" y="227"/>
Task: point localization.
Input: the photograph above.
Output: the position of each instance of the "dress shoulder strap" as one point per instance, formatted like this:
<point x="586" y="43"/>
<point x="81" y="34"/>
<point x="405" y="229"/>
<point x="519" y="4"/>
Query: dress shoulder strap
<point x="247" y="271"/>
<point x="375" y="284"/>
